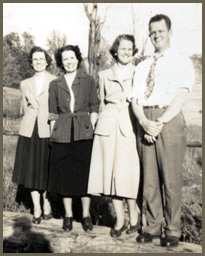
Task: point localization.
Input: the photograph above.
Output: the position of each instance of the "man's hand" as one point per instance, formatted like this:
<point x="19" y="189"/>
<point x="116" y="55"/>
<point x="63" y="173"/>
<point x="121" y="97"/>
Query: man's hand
<point x="151" y="127"/>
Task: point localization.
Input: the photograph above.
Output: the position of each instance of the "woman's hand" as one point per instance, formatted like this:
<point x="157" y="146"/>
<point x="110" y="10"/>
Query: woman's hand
<point x="52" y="123"/>
<point x="150" y="139"/>
<point x="93" y="119"/>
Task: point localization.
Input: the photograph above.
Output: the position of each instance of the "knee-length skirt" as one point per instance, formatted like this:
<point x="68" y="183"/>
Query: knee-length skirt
<point x="31" y="164"/>
<point x="114" y="168"/>
<point x="69" y="167"/>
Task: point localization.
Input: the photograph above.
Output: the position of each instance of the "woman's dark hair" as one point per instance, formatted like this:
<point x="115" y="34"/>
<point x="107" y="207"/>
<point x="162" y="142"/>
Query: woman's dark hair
<point x="159" y="17"/>
<point x="39" y="49"/>
<point x="58" y="55"/>
<point x="113" y="49"/>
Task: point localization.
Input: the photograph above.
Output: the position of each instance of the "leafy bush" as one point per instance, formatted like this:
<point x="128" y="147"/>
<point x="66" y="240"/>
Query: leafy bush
<point x="11" y="103"/>
<point x="191" y="227"/>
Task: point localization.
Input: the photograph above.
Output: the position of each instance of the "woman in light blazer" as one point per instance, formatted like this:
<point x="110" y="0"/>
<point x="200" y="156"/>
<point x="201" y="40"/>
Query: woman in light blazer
<point x="32" y="152"/>
<point x="114" y="168"/>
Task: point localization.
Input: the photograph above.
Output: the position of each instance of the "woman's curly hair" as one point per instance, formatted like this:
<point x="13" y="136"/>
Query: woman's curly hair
<point x="58" y="55"/>
<point x="39" y="49"/>
<point x="114" y="48"/>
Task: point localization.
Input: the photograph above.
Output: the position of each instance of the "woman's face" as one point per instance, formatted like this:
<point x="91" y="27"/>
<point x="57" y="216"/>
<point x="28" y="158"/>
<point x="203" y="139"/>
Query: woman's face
<point x="125" y="51"/>
<point x="39" y="62"/>
<point x="69" y="60"/>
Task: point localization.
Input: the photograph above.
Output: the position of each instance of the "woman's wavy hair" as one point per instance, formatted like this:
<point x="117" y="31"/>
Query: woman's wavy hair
<point x="58" y="55"/>
<point x="39" y="49"/>
<point x="115" y="45"/>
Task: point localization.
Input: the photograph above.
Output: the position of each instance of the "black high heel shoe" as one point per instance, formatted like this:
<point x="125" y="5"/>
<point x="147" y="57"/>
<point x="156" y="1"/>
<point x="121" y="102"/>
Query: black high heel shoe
<point x="68" y="224"/>
<point x="136" y="227"/>
<point x="47" y="216"/>
<point x="36" y="220"/>
<point x="87" y="223"/>
<point x="117" y="232"/>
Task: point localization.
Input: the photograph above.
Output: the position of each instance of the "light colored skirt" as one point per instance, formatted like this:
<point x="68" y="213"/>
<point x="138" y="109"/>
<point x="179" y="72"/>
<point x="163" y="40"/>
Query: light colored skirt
<point x="115" y="168"/>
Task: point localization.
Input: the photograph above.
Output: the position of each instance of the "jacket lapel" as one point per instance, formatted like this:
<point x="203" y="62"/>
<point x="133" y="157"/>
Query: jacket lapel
<point x="62" y="84"/>
<point x="112" y="76"/>
<point x="32" y="87"/>
<point x="45" y="84"/>
<point x="77" y="83"/>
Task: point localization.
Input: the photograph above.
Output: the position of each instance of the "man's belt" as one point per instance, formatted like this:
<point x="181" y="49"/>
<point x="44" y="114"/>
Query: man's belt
<point x="156" y="106"/>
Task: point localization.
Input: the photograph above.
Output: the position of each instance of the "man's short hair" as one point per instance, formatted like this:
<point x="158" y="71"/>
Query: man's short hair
<point x="159" y="17"/>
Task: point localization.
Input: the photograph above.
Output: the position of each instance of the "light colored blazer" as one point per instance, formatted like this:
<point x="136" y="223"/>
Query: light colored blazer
<point x="115" y="109"/>
<point x="35" y="107"/>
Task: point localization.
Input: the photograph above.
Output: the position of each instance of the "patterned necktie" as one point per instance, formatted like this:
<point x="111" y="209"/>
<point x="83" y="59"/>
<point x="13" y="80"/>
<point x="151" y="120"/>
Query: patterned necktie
<point x="151" y="78"/>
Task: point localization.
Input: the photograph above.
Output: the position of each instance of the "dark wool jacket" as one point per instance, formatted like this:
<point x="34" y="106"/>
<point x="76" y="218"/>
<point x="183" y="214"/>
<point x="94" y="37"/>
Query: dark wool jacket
<point x="86" y="102"/>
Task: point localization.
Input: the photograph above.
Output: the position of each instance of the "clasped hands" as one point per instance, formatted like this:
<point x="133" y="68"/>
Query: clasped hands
<point x="152" y="129"/>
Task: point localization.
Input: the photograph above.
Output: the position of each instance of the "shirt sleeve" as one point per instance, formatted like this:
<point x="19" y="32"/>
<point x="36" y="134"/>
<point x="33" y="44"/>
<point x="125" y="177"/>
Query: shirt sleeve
<point x="94" y="101"/>
<point x="23" y="97"/>
<point x="185" y="73"/>
<point x="138" y="88"/>
<point x="101" y="93"/>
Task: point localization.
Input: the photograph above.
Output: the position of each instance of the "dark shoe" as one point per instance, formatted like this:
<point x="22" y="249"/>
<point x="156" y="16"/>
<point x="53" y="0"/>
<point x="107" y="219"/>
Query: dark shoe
<point x="87" y="223"/>
<point x="117" y="232"/>
<point x="48" y="216"/>
<point x="68" y="224"/>
<point x="36" y="220"/>
<point x="135" y="228"/>
<point x="169" y="241"/>
<point x="145" y="238"/>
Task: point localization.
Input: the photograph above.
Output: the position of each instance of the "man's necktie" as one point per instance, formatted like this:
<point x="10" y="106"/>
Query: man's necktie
<point x="151" y="78"/>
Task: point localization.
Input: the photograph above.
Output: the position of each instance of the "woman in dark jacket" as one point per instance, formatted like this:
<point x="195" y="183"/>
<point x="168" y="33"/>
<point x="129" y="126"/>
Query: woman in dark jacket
<point x="73" y="107"/>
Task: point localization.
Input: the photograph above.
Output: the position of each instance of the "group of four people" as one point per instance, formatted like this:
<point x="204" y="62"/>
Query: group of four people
<point x="138" y="127"/>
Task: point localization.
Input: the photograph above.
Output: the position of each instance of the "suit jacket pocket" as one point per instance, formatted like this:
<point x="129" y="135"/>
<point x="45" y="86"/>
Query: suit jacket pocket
<point x="127" y="130"/>
<point x="105" y="126"/>
<point x="86" y="128"/>
<point x="61" y="130"/>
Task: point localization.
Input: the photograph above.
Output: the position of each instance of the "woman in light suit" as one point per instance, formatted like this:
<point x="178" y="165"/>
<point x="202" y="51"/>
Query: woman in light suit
<point x="114" y="168"/>
<point x="32" y="153"/>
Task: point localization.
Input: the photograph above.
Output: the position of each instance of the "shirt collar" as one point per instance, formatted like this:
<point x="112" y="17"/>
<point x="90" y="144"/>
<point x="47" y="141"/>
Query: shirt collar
<point x="128" y="75"/>
<point x="166" y="53"/>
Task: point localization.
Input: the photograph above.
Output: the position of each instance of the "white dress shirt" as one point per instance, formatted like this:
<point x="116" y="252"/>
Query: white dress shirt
<point x="39" y="83"/>
<point x="72" y="98"/>
<point x="173" y="71"/>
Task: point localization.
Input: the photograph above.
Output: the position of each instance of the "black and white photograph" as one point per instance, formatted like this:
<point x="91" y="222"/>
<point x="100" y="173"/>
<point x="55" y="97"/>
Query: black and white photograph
<point x="102" y="127"/>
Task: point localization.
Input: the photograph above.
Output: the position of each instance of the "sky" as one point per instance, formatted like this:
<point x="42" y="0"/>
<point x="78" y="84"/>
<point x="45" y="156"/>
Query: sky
<point x="39" y="19"/>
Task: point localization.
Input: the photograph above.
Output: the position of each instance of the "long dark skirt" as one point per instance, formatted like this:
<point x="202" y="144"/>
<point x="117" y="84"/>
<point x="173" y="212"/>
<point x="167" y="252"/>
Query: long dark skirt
<point x="32" y="161"/>
<point x="69" y="167"/>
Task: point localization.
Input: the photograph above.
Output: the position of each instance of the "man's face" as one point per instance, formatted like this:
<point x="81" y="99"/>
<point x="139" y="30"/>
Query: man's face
<point x="160" y="35"/>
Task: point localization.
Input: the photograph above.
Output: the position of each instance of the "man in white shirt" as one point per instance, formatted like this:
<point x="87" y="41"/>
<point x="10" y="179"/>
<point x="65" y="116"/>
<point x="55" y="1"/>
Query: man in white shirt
<point x="161" y="86"/>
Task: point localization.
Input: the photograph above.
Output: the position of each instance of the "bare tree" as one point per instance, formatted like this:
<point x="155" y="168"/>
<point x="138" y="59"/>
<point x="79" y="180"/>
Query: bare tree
<point x="55" y="41"/>
<point x="138" y="28"/>
<point x="28" y="41"/>
<point x="91" y="10"/>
